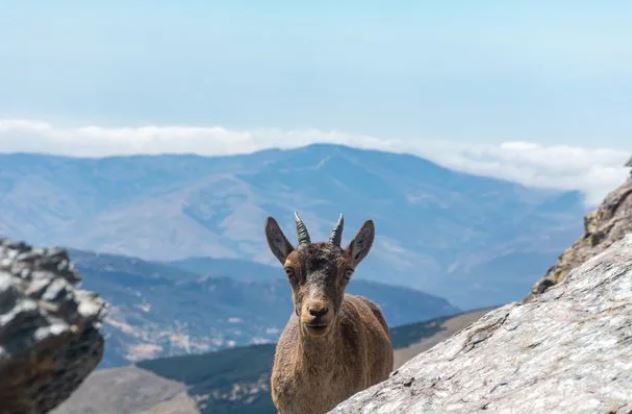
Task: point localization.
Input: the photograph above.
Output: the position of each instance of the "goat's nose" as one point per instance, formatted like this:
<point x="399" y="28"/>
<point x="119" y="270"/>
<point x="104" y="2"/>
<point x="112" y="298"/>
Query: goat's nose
<point x="318" y="311"/>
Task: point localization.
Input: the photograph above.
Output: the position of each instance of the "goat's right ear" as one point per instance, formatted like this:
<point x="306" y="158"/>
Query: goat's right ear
<point x="277" y="241"/>
<point x="362" y="242"/>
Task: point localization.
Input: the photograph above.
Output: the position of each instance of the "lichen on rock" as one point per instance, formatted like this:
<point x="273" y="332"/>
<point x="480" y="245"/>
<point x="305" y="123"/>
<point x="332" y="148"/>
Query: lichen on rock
<point x="49" y="330"/>
<point x="567" y="350"/>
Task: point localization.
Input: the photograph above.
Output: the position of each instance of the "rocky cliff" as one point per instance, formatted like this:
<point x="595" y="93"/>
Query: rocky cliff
<point x="49" y="330"/>
<point x="604" y="226"/>
<point x="567" y="350"/>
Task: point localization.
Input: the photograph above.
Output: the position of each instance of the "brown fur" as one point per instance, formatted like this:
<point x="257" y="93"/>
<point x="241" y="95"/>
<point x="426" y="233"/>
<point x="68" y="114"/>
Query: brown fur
<point x="334" y="344"/>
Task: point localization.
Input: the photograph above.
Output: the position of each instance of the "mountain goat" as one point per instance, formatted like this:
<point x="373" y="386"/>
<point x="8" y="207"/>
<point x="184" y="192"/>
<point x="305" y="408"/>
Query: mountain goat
<point x="334" y="344"/>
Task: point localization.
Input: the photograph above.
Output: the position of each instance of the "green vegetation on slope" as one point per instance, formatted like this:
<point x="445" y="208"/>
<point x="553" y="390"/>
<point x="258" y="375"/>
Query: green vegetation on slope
<point x="228" y="381"/>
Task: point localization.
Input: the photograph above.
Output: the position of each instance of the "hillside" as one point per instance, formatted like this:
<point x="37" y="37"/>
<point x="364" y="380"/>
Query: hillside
<point x="233" y="381"/>
<point x="413" y="339"/>
<point x="157" y="310"/>
<point x="447" y="233"/>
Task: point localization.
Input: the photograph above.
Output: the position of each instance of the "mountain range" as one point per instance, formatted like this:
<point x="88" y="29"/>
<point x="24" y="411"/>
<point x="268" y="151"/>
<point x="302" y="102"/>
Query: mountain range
<point x="447" y="233"/>
<point x="159" y="310"/>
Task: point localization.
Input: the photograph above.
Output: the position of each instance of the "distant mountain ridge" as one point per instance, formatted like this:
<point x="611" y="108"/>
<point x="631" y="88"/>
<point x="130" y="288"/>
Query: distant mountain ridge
<point x="444" y="232"/>
<point x="157" y="310"/>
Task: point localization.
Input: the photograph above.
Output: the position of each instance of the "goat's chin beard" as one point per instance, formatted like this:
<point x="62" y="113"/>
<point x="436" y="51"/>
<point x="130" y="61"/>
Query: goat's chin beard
<point x="316" y="331"/>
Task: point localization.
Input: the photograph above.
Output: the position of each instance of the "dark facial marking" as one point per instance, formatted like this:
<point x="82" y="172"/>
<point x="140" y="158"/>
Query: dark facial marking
<point x="320" y="267"/>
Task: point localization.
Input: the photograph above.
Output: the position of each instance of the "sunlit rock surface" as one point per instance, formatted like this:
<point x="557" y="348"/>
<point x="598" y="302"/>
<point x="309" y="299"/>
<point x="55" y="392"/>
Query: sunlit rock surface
<point x="568" y="350"/>
<point x="610" y="222"/>
<point x="49" y="330"/>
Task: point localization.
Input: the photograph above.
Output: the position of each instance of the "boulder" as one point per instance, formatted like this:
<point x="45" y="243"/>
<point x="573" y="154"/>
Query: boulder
<point x="49" y="330"/>
<point x="567" y="350"/>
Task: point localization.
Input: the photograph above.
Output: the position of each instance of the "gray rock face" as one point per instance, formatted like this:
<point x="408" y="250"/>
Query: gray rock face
<point x="568" y="350"/>
<point x="610" y="222"/>
<point x="49" y="331"/>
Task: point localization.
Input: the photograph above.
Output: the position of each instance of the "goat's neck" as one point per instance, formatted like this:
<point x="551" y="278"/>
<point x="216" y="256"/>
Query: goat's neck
<point x="319" y="352"/>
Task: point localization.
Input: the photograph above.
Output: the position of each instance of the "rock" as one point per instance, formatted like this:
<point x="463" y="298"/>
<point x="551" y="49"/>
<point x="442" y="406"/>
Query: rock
<point x="604" y="226"/>
<point x="567" y="350"/>
<point x="49" y="330"/>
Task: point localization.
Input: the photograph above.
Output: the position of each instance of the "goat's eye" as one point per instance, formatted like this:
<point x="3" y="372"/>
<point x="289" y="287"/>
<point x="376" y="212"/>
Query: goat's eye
<point x="290" y="273"/>
<point x="347" y="274"/>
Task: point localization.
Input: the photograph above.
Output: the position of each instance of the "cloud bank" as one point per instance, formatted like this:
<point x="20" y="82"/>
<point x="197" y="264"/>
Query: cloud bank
<point x="592" y="171"/>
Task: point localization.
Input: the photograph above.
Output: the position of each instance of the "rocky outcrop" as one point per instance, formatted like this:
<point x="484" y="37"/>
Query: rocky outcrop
<point x="49" y="331"/>
<point x="604" y="226"/>
<point x="567" y="350"/>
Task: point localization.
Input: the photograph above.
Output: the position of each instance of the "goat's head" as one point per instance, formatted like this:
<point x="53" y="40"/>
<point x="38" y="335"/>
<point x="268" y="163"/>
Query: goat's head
<point x="318" y="272"/>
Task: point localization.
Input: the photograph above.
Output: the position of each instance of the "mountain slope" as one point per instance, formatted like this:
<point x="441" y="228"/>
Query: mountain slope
<point x="412" y="339"/>
<point x="156" y="310"/>
<point x="437" y="230"/>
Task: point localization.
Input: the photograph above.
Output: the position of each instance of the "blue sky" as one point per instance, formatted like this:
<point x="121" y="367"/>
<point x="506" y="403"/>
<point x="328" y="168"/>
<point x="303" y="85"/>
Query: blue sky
<point x="539" y="92"/>
<point x="486" y="71"/>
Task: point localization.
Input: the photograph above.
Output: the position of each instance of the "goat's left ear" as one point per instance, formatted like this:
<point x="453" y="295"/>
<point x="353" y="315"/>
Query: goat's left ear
<point x="277" y="241"/>
<point x="361" y="243"/>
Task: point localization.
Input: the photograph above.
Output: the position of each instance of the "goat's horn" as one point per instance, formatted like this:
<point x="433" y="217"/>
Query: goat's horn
<point x="336" y="233"/>
<point x="301" y="229"/>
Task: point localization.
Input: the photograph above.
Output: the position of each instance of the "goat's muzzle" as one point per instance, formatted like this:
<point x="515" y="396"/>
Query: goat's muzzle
<point x="316" y="317"/>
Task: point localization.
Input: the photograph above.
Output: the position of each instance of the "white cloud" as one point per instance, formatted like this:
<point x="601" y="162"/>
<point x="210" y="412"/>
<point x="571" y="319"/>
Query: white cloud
<point x="595" y="172"/>
<point x="592" y="171"/>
